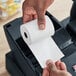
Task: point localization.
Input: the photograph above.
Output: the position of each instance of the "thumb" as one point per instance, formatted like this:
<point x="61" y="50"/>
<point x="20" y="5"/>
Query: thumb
<point x="45" y="72"/>
<point x="51" y="66"/>
<point x="41" y="20"/>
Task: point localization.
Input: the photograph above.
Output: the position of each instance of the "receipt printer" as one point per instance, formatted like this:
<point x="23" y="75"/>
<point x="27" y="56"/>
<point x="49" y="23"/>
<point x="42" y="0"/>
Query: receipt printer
<point x="20" y="61"/>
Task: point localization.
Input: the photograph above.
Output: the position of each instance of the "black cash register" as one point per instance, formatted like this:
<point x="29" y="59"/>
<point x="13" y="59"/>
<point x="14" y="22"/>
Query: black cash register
<point x="20" y="61"/>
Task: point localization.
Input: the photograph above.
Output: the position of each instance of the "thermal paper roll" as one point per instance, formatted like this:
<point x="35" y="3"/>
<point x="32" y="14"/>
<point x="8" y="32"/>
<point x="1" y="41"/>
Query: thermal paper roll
<point x="40" y="42"/>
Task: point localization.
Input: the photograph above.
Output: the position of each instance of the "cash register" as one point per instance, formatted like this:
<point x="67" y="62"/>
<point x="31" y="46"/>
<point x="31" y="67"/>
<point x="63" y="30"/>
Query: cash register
<point x="20" y="61"/>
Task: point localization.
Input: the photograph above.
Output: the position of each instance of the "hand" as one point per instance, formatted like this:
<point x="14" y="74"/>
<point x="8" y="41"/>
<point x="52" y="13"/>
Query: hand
<point x="55" y="69"/>
<point x="33" y="9"/>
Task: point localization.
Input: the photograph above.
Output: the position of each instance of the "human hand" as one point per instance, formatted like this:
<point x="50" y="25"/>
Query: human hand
<point x="33" y="9"/>
<point x="55" y="69"/>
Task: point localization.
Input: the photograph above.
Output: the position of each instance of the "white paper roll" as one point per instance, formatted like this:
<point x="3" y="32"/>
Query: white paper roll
<point x="31" y="33"/>
<point x="40" y="42"/>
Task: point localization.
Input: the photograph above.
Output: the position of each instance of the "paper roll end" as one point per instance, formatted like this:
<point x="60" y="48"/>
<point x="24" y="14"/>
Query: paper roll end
<point x="25" y="35"/>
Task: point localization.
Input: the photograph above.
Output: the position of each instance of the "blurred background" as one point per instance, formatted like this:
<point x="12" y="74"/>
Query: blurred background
<point x="12" y="9"/>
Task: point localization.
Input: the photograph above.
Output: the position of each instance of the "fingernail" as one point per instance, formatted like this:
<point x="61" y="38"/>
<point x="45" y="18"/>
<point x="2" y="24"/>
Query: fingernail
<point x="42" y="27"/>
<point x="49" y="62"/>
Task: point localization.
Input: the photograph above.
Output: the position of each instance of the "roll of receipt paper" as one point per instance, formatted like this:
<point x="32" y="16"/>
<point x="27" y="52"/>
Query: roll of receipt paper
<point x="40" y="42"/>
